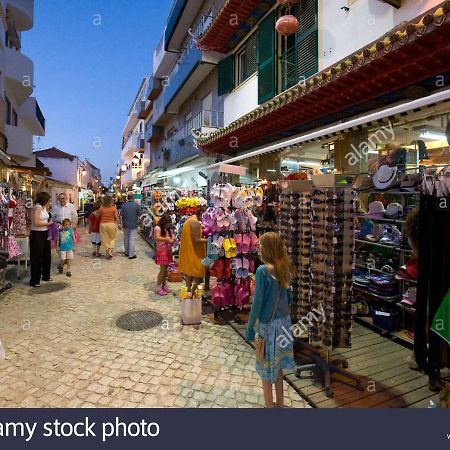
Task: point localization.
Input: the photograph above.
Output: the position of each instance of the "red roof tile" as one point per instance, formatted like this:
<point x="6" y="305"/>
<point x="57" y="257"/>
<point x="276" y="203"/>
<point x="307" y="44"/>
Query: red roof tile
<point x="54" y="153"/>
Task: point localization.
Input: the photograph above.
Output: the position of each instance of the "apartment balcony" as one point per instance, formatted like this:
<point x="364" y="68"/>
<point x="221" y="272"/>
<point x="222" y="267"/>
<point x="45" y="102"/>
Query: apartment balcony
<point x="132" y="175"/>
<point x="20" y="143"/>
<point x="204" y="122"/>
<point x="22" y="12"/>
<point x="144" y="109"/>
<point x="19" y="73"/>
<point x="163" y="61"/>
<point x="154" y="88"/>
<point x="152" y="132"/>
<point x="133" y="143"/>
<point x="180" y="19"/>
<point x="179" y="147"/>
<point x="31" y="115"/>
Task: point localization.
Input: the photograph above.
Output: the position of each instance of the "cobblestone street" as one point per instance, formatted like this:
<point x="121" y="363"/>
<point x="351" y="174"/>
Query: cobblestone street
<point x="63" y="348"/>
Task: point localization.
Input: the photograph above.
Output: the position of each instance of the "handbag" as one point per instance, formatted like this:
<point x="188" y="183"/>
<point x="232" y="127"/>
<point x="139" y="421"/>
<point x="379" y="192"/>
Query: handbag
<point x="260" y="343"/>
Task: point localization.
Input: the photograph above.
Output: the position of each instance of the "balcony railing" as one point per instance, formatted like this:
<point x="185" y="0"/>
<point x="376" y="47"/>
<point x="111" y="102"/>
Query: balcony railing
<point x="204" y="119"/>
<point x="135" y="139"/>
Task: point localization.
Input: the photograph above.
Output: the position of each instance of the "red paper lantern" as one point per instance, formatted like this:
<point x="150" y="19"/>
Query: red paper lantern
<point x="287" y="25"/>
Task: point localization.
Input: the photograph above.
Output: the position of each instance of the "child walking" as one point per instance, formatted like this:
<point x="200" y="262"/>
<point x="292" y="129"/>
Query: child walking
<point x="94" y="229"/>
<point x="164" y="239"/>
<point x="271" y="307"/>
<point x="66" y="246"/>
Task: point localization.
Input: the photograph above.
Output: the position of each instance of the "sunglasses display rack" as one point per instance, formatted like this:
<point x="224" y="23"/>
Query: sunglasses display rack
<point x="232" y="244"/>
<point x="317" y="225"/>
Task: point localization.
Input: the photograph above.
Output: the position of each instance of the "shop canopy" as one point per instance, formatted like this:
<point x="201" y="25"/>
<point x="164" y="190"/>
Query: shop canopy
<point x="328" y="132"/>
<point x="411" y="61"/>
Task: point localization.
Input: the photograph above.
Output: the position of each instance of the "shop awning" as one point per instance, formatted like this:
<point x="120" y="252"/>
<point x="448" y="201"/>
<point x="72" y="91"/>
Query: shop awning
<point x="401" y="65"/>
<point x="337" y="128"/>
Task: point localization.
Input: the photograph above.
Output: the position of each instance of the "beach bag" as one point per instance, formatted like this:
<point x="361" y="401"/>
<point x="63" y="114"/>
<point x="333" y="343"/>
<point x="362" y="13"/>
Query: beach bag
<point x="260" y="343"/>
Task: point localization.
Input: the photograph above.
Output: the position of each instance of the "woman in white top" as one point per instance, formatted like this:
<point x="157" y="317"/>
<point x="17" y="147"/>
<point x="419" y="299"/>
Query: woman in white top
<point x="40" y="251"/>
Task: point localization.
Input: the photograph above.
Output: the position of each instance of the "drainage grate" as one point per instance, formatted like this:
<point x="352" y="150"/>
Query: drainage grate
<point x="48" y="288"/>
<point x="139" y="320"/>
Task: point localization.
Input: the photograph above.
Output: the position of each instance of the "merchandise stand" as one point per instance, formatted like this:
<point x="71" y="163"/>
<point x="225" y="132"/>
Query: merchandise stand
<point x="318" y="226"/>
<point x="432" y="351"/>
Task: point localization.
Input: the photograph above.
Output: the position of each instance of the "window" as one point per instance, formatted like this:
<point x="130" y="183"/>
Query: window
<point x="8" y="111"/>
<point x="246" y="63"/>
<point x="15" y="119"/>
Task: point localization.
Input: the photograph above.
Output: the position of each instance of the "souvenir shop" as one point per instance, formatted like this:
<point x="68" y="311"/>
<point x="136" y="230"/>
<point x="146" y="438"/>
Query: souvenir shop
<point x="354" y="230"/>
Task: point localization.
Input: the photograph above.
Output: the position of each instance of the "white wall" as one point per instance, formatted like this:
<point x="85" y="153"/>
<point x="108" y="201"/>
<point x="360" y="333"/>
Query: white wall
<point x="241" y="101"/>
<point x="342" y="33"/>
<point x="62" y="169"/>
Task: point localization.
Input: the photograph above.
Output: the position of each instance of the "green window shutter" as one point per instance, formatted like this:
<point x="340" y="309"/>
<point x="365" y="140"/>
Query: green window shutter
<point x="307" y="40"/>
<point x="266" y="50"/>
<point x="226" y="75"/>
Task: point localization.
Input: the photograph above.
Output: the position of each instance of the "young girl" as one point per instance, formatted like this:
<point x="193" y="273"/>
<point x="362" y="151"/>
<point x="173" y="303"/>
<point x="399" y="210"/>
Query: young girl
<point x="66" y="246"/>
<point x="94" y="229"/>
<point x="164" y="239"/>
<point x="271" y="307"/>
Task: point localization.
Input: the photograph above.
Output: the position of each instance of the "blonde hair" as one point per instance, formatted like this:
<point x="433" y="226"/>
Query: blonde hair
<point x="274" y="255"/>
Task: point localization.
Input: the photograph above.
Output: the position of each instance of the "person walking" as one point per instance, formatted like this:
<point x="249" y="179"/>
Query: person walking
<point x="192" y="252"/>
<point x="271" y="308"/>
<point x="130" y="212"/>
<point x="109" y="222"/>
<point x="164" y="239"/>
<point x="64" y="210"/>
<point x="40" y="251"/>
<point x="94" y="229"/>
<point x="66" y="246"/>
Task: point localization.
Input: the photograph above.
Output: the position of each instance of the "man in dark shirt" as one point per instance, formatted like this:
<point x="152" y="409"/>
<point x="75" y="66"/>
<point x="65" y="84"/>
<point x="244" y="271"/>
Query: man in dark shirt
<point x="129" y="213"/>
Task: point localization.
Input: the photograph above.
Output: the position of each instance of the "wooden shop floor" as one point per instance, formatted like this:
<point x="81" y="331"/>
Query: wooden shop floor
<point x="382" y="364"/>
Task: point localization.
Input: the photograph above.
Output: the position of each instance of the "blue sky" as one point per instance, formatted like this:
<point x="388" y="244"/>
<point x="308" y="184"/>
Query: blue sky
<point x="87" y="74"/>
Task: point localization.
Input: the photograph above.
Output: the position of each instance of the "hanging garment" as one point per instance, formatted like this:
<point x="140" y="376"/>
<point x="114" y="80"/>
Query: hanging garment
<point x="13" y="247"/>
<point x="20" y="218"/>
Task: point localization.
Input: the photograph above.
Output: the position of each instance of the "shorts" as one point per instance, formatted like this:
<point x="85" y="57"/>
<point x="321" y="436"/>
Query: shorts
<point x="96" y="239"/>
<point x="66" y="255"/>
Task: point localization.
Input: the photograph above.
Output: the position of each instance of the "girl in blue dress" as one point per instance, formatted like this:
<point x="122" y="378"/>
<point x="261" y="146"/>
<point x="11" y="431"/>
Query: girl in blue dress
<point x="271" y="308"/>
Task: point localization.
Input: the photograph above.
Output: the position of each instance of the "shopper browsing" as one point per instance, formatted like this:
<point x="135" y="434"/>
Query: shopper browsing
<point x="271" y="308"/>
<point x="130" y="212"/>
<point x="40" y="251"/>
<point x="64" y="210"/>
<point x="66" y="246"/>
<point x="109" y="222"/>
<point x="164" y="239"/>
<point x="192" y="252"/>
<point x="94" y="229"/>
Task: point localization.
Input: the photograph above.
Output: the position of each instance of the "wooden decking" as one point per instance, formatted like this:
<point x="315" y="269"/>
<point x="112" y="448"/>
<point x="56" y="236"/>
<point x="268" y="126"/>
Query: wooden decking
<point x="382" y="363"/>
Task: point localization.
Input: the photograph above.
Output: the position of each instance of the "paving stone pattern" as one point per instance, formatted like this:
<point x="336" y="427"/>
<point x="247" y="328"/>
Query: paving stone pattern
<point x="63" y="348"/>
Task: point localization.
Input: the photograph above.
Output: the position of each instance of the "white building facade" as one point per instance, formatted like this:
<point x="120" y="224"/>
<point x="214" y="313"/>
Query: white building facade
<point x="20" y="111"/>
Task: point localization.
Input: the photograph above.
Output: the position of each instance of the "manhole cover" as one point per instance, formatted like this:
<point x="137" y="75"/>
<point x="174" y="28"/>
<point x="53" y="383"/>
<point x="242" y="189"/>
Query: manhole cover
<point x="139" y="320"/>
<point x="48" y="288"/>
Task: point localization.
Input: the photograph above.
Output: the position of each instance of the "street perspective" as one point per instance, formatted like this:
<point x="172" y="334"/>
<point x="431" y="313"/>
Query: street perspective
<point x="231" y="204"/>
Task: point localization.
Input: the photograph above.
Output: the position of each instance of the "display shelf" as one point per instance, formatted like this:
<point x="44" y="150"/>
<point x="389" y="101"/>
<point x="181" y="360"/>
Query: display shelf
<point x="407" y="308"/>
<point x="362" y="266"/>
<point x="406" y="280"/>
<point x="397" y="192"/>
<point x="393" y="299"/>
<point x="383" y="219"/>
<point x="393" y="247"/>
<point x="403" y="335"/>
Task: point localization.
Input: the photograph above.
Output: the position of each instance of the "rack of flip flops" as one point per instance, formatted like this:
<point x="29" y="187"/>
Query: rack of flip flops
<point x="230" y="227"/>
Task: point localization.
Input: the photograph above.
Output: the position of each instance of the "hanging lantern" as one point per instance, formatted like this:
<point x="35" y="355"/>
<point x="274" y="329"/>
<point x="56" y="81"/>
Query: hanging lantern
<point x="287" y="25"/>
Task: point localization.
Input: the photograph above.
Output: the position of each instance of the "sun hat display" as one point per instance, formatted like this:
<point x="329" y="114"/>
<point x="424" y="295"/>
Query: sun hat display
<point x="394" y="211"/>
<point x="363" y="182"/>
<point x="385" y="177"/>
<point x="410" y="181"/>
<point x="376" y="210"/>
